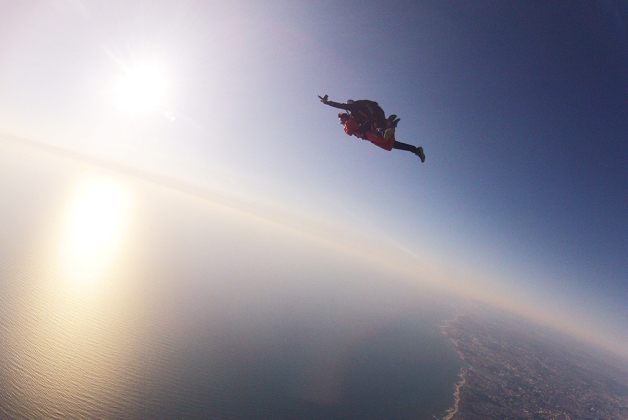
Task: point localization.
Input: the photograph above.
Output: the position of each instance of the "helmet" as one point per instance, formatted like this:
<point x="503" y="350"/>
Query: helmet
<point x="350" y="101"/>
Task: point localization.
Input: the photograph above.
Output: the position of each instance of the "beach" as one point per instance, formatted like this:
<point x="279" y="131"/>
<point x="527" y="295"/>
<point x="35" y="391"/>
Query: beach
<point x="452" y="411"/>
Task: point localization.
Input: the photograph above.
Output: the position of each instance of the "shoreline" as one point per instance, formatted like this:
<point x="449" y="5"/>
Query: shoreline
<point x="451" y="412"/>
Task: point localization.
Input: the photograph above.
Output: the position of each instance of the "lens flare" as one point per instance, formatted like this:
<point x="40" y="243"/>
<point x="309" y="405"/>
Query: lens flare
<point x="141" y="90"/>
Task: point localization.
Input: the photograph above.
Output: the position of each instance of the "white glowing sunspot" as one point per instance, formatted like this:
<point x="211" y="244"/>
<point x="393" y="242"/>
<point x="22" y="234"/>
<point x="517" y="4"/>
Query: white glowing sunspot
<point x="141" y="90"/>
<point x="95" y="225"/>
<point x="96" y="218"/>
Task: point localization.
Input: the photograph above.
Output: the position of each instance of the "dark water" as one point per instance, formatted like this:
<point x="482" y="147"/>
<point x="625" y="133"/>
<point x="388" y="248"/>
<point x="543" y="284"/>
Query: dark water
<point x="278" y="368"/>
<point x="198" y="311"/>
<point x="397" y="371"/>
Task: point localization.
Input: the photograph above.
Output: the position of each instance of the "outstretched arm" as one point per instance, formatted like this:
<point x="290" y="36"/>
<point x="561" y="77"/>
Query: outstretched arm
<point x="324" y="100"/>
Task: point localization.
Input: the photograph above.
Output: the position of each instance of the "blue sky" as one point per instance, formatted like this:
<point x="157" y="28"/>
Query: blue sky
<point x="520" y="107"/>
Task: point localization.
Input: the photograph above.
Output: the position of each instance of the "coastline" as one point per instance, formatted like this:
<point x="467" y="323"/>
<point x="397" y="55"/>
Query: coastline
<point x="454" y="410"/>
<point x="451" y="412"/>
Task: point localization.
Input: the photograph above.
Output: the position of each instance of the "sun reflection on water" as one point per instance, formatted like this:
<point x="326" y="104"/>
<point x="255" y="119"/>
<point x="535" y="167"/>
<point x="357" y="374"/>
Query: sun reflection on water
<point x="75" y="313"/>
<point x="96" y="221"/>
<point x="96" y="217"/>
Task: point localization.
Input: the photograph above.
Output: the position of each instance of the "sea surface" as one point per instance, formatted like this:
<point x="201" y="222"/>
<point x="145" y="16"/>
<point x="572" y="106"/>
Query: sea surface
<point x="122" y="299"/>
<point x="84" y="362"/>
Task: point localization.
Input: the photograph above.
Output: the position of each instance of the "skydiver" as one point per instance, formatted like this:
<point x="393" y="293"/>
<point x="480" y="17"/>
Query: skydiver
<point x="386" y="142"/>
<point x="364" y="111"/>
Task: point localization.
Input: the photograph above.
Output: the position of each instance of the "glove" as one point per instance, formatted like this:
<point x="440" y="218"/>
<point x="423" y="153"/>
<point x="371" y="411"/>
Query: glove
<point x="323" y="99"/>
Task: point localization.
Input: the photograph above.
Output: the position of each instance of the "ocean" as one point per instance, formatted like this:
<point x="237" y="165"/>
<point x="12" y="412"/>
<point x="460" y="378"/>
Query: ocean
<point x="123" y="299"/>
<point x="64" y="366"/>
<point x="67" y="359"/>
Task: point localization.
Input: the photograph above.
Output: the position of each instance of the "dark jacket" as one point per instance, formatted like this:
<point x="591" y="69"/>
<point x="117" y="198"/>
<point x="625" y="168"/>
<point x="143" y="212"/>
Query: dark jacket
<point x="363" y="111"/>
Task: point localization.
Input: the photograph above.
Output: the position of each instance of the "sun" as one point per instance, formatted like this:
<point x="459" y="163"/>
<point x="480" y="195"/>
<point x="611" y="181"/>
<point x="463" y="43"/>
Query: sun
<point x="141" y="90"/>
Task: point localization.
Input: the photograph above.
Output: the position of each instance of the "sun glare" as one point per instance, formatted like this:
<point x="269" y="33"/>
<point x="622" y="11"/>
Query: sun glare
<point x="141" y="90"/>
<point x="96" y="217"/>
<point x="94" y="228"/>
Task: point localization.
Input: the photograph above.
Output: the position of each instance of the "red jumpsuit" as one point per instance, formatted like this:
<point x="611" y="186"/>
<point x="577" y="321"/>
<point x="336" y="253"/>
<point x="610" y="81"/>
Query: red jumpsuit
<point x="352" y="128"/>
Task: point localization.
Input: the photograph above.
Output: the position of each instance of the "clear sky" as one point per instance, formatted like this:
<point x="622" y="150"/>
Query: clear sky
<point x="520" y="106"/>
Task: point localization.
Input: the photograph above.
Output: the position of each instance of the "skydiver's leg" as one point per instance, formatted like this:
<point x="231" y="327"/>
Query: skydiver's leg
<point x="410" y="148"/>
<point x="392" y="121"/>
<point x="403" y="146"/>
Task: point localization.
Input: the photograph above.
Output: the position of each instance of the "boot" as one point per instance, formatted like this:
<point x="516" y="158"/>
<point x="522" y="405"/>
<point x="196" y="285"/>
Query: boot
<point x="420" y="154"/>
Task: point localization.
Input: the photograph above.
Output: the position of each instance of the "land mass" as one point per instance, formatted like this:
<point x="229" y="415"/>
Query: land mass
<point x="516" y="370"/>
